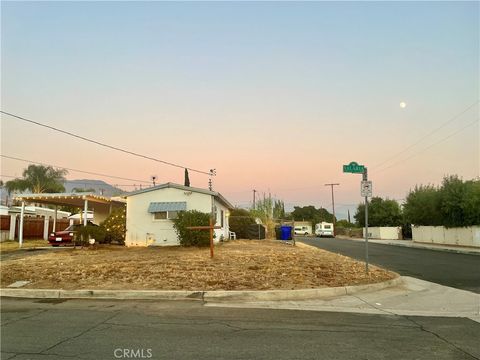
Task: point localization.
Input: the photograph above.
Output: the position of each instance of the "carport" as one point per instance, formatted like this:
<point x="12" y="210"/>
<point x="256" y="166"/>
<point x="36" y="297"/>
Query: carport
<point x="101" y="206"/>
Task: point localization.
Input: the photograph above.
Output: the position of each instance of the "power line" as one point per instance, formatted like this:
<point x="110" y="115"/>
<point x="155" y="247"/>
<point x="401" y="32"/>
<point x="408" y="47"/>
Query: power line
<point x="76" y="170"/>
<point x="103" y="144"/>
<point x="428" y="147"/>
<point x="427" y="135"/>
<point x="89" y="182"/>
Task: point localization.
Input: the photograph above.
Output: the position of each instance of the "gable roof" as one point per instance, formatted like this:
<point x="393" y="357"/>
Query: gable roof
<point x="217" y="195"/>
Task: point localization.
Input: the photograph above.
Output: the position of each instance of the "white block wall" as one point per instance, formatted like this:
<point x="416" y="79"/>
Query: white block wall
<point x="384" y="232"/>
<point x="463" y="236"/>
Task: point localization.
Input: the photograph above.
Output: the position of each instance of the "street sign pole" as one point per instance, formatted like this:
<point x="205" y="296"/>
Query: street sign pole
<point x="365" y="191"/>
<point x="365" y="178"/>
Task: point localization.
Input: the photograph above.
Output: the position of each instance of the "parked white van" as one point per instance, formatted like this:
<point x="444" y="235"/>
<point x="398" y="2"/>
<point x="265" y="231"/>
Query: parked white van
<point x="302" y="230"/>
<point x="324" y="229"/>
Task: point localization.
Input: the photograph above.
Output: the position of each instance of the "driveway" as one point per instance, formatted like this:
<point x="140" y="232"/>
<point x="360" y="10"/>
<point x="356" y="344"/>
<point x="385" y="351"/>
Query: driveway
<point x="460" y="271"/>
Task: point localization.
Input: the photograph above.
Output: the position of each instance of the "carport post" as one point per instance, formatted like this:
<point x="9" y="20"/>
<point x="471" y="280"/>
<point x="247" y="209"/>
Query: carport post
<point x="85" y="212"/>
<point x="55" y="219"/>
<point x="46" y="222"/>
<point x="20" y="228"/>
<point x="13" y="225"/>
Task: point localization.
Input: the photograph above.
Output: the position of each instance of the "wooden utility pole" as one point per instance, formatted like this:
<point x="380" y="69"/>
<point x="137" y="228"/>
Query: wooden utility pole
<point x="254" y="191"/>
<point x="333" y="205"/>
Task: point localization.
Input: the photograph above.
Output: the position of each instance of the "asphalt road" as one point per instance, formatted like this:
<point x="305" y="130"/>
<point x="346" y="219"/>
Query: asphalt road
<point x="94" y="329"/>
<point x="446" y="268"/>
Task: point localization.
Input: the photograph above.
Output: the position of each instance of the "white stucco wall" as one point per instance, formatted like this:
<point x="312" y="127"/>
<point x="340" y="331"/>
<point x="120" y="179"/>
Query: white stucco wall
<point x="143" y="230"/>
<point x="384" y="232"/>
<point x="463" y="236"/>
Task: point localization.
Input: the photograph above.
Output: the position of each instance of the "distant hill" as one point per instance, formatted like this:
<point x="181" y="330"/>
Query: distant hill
<point x="98" y="185"/>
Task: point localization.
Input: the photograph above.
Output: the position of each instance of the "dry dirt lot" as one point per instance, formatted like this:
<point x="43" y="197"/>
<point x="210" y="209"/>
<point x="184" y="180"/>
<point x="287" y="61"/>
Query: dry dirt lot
<point x="237" y="265"/>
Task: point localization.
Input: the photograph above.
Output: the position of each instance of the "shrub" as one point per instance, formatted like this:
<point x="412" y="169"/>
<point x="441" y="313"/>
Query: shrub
<point x="192" y="237"/>
<point x="239" y="222"/>
<point x="115" y="226"/>
<point x="84" y="233"/>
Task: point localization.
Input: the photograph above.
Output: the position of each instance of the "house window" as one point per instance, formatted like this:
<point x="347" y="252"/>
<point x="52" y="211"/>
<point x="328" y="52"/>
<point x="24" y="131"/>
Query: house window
<point x="172" y="214"/>
<point x="161" y="215"/>
<point x="165" y="215"/>
<point x="221" y="218"/>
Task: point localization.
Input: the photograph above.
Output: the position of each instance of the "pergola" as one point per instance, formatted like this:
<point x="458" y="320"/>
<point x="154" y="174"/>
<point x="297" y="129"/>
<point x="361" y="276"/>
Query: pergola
<point x="102" y="206"/>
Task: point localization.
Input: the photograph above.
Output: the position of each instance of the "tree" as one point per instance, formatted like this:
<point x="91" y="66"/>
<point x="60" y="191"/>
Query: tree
<point x="39" y="179"/>
<point x="115" y="226"/>
<point x="344" y="224"/>
<point x="422" y="206"/>
<point x="310" y="213"/>
<point x="380" y="213"/>
<point x="278" y="209"/>
<point x="79" y="190"/>
<point x="459" y="202"/>
<point x="187" y="179"/>
<point x="455" y="203"/>
<point x="471" y="204"/>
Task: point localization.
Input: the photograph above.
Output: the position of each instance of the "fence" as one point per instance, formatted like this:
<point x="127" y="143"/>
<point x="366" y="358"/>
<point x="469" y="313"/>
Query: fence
<point x="384" y="232"/>
<point x="464" y="236"/>
<point x="32" y="226"/>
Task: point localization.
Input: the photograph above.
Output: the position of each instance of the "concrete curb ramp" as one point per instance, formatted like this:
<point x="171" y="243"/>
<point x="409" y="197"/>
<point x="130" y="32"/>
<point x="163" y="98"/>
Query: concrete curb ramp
<point x="212" y="296"/>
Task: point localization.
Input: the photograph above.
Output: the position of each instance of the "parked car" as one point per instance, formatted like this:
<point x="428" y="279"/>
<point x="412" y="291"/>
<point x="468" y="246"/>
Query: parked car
<point x="324" y="229"/>
<point x="301" y="230"/>
<point x="65" y="237"/>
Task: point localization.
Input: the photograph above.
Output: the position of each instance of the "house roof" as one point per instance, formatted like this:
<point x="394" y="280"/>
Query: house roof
<point x="217" y="195"/>
<point x="74" y="199"/>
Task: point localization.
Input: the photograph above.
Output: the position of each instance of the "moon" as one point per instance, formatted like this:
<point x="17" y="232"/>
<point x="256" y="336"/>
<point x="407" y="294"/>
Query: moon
<point x="403" y="104"/>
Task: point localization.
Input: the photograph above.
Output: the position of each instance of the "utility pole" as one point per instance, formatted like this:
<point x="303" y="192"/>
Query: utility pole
<point x="254" y="191"/>
<point x="333" y="205"/>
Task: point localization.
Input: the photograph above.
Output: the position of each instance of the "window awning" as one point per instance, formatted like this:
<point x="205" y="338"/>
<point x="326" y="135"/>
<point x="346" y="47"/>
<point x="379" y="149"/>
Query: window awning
<point x="167" y="206"/>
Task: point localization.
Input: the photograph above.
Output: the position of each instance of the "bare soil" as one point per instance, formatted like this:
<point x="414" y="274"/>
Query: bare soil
<point x="237" y="265"/>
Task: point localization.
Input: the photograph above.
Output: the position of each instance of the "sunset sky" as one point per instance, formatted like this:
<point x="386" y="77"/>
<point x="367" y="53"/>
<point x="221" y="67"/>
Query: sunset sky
<point x="275" y="96"/>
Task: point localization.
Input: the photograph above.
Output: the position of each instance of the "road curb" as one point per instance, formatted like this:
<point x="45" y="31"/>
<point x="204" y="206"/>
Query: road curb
<point x="212" y="296"/>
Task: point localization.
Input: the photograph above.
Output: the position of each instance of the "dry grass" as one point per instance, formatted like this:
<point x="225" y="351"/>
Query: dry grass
<point x="10" y="245"/>
<point x="237" y="265"/>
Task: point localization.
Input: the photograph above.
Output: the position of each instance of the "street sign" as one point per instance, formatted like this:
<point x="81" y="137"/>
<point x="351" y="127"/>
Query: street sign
<point x="366" y="189"/>
<point x="354" y="168"/>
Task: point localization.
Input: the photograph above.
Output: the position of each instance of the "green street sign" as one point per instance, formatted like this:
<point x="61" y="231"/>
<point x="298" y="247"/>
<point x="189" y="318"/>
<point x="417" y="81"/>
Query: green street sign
<point x="354" y="168"/>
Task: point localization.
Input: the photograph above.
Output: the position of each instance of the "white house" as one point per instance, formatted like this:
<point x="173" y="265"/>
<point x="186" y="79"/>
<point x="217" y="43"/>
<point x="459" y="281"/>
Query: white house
<point x="150" y="212"/>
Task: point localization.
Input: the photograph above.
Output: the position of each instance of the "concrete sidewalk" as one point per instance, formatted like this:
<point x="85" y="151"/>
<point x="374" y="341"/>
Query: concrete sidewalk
<point x="414" y="297"/>
<point x="410" y="243"/>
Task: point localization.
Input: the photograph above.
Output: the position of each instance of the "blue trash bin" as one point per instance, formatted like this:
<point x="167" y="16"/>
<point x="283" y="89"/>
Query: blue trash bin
<point x="286" y="232"/>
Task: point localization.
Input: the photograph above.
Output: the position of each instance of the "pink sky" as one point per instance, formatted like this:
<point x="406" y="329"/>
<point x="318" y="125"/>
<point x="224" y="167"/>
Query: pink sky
<point x="272" y="107"/>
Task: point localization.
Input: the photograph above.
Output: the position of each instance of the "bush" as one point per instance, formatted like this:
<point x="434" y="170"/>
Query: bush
<point x="84" y="233"/>
<point x="239" y="222"/>
<point x="115" y="226"/>
<point x="192" y="237"/>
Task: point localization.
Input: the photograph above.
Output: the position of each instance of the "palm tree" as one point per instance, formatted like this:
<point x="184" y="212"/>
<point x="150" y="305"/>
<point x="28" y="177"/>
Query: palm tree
<point x="39" y="179"/>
